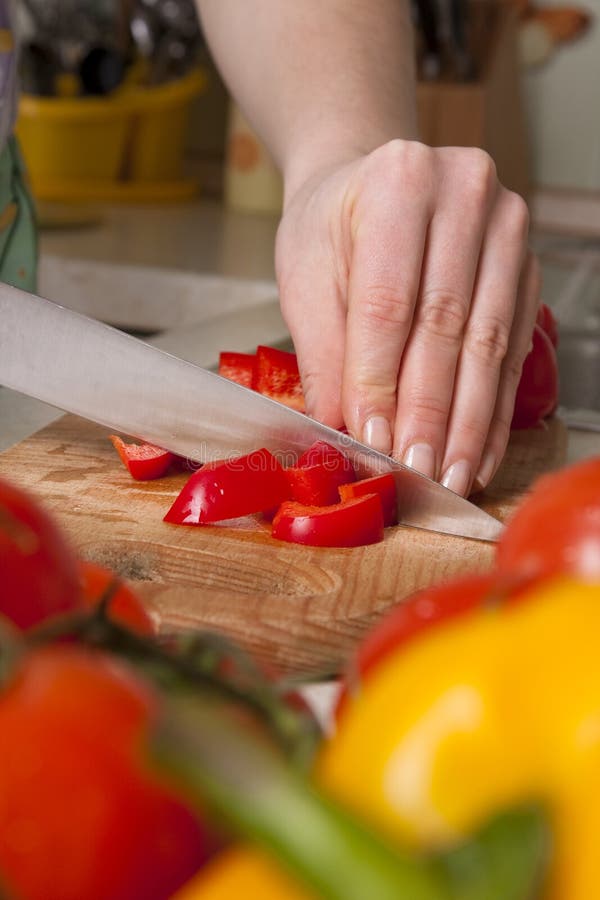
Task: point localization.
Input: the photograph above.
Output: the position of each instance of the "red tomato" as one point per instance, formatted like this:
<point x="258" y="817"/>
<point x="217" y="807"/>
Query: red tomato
<point x="384" y="485"/>
<point x="124" y="607"/>
<point x="537" y="394"/>
<point x="144" y="461"/>
<point x="547" y="322"/>
<point x="417" y="614"/>
<point x="352" y="523"/>
<point x="82" y="815"/>
<point x="230" y="489"/>
<point x="38" y="570"/>
<point x="238" y="367"/>
<point x="276" y="375"/>
<point x="557" y="526"/>
<point x="320" y="472"/>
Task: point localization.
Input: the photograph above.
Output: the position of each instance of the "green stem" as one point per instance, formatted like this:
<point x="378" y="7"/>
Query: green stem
<point x="195" y="663"/>
<point x="248" y="783"/>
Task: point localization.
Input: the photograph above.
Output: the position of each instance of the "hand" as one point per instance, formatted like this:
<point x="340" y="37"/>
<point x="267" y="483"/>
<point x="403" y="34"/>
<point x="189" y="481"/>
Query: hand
<point x="411" y="297"/>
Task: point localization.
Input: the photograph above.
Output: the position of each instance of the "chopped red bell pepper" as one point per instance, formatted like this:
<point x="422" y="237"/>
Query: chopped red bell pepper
<point x="276" y="375"/>
<point x="351" y="523"/>
<point x="230" y="489"/>
<point x="238" y="367"/>
<point x="332" y="458"/>
<point x="144" y="461"/>
<point x="320" y="472"/>
<point x="384" y="485"/>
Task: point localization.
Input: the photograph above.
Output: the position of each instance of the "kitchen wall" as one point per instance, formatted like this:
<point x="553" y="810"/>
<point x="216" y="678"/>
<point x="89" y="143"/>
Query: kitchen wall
<point x="563" y="110"/>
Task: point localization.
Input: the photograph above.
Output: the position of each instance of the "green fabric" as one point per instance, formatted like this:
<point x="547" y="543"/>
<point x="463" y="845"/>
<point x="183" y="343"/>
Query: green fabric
<point x="18" y="240"/>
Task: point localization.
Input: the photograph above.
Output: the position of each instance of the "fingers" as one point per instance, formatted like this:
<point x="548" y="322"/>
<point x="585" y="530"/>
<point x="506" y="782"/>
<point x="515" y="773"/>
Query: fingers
<point x="492" y="336"/>
<point x="427" y="376"/>
<point x="528" y="300"/>
<point x="488" y="338"/>
<point x="391" y="219"/>
<point x="399" y="277"/>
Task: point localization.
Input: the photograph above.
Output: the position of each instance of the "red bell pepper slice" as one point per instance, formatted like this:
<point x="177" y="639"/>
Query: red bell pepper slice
<point x="144" y="461"/>
<point x="330" y="457"/>
<point x="351" y="523"/>
<point x="319" y="474"/>
<point x="238" y="367"/>
<point x="276" y="375"/>
<point x="384" y="486"/>
<point x="230" y="489"/>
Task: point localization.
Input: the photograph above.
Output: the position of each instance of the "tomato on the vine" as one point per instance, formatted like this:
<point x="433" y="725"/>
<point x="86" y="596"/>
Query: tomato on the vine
<point x="82" y="814"/>
<point x="124" y="606"/>
<point x="38" y="570"/>
<point x="557" y="526"/>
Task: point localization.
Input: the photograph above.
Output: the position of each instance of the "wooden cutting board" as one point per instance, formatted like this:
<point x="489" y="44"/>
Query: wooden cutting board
<point x="301" y="608"/>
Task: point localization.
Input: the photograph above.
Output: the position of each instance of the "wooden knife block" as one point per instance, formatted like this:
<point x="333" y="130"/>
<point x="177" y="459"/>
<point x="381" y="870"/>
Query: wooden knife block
<point x="487" y="112"/>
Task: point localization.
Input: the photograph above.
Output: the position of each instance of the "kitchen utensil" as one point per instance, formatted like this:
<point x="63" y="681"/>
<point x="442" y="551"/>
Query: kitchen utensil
<point x="101" y="70"/>
<point x="90" y="369"/>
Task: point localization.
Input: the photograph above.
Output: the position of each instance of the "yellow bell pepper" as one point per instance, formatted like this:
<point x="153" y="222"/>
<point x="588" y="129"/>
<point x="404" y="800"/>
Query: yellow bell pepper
<point x="480" y="714"/>
<point x="242" y="873"/>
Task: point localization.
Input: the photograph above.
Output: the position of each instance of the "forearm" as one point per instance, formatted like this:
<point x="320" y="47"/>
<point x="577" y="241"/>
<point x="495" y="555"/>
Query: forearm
<point x="323" y="81"/>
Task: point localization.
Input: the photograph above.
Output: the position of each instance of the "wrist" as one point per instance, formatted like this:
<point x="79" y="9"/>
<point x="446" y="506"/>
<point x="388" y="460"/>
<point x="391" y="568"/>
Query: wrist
<point x="312" y="160"/>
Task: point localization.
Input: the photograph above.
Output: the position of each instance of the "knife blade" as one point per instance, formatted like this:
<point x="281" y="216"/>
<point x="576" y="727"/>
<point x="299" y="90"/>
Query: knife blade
<point x="85" y="367"/>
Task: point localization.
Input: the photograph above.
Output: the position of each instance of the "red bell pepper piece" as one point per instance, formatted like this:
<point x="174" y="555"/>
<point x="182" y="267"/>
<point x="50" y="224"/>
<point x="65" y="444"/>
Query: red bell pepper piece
<point x="351" y="523"/>
<point x="144" y="461"/>
<point x="384" y="485"/>
<point x="276" y="375"/>
<point x="238" y="367"/>
<point x="330" y="457"/>
<point x="319" y="474"/>
<point x="230" y="489"/>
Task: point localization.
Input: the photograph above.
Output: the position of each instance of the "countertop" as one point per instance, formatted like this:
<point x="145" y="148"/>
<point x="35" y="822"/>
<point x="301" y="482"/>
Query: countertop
<point x="196" y="237"/>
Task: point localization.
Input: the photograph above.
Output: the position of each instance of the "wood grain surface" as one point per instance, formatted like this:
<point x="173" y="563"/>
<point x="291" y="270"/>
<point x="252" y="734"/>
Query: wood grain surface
<point x="302" y="608"/>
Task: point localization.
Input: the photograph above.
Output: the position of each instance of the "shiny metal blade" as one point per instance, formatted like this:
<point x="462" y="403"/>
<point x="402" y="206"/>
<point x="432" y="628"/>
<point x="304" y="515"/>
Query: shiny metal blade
<point x="94" y="371"/>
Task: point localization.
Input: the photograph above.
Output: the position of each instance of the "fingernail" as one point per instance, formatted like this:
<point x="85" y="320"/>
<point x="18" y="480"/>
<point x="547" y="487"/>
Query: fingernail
<point x="378" y="434"/>
<point x="486" y="470"/>
<point x="422" y="458"/>
<point x="457" y="477"/>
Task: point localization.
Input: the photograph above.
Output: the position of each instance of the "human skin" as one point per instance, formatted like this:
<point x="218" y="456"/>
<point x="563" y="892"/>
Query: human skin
<point x="403" y="270"/>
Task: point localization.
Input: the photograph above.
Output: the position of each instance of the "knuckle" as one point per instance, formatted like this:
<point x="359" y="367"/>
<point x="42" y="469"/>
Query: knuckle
<point x="404" y="162"/>
<point x="481" y="174"/>
<point x="488" y="340"/>
<point x="517" y="215"/>
<point x="385" y="306"/>
<point x="473" y="430"/>
<point x="443" y="314"/>
<point x="512" y="369"/>
<point x="428" y="409"/>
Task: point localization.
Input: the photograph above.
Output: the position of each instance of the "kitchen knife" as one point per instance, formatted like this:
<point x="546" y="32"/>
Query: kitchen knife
<point x="85" y="367"/>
